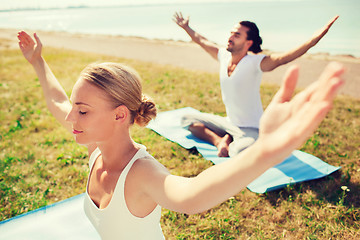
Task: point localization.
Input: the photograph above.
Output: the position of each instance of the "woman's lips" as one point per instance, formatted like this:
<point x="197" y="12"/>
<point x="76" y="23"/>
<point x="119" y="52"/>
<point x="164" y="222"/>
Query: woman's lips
<point x="76" y="131"/>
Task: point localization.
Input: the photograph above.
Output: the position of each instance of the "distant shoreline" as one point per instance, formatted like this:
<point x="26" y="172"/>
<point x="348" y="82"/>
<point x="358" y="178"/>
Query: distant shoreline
<point x="319" y="55"/>
<point x="185" y="55"/>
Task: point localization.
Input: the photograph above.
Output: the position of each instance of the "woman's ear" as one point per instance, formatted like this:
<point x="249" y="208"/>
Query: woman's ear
<point x="122" y="113"/>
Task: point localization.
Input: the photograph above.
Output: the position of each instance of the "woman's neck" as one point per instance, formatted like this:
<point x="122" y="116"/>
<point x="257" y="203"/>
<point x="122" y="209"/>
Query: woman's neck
<point x="116" y="153"/>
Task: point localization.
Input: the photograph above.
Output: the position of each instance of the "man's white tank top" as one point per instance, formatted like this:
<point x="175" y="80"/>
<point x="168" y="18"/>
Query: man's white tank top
<point x="116" y="221"/>
<point x="241" y="91"/>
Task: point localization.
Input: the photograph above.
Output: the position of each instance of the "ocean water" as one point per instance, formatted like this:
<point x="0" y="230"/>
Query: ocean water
<point x="283" y="24"/>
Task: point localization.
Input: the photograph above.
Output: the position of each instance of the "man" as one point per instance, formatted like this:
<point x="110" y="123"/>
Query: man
<point x="240" y="77"/>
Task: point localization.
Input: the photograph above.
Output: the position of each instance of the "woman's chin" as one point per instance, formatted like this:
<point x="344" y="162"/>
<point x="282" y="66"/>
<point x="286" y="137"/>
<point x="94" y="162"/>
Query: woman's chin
<point x="81" y="141"/>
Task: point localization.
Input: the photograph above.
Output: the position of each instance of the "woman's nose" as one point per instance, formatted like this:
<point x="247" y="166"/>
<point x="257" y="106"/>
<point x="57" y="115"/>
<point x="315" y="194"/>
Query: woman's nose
<point x="69" y="117"/>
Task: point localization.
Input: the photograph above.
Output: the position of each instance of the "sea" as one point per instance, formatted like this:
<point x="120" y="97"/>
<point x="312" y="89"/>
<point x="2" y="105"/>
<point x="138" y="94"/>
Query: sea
<point x="283" y="24"/>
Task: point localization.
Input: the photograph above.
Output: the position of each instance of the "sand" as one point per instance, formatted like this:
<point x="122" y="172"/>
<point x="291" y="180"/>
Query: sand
<point x="186" y="55"/>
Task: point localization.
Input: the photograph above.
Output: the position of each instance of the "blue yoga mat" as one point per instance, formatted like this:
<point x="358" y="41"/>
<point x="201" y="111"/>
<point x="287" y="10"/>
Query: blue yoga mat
<point x="298" y="167"/>
<point x="63" y="220"/>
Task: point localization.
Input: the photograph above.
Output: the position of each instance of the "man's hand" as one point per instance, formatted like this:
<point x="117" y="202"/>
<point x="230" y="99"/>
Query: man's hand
<point x="321" y="32"/>
<point x="179" y="20"/>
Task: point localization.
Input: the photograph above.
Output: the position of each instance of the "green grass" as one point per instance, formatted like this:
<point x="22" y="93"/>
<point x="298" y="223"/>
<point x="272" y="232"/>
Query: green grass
<point x="41" y="164"/>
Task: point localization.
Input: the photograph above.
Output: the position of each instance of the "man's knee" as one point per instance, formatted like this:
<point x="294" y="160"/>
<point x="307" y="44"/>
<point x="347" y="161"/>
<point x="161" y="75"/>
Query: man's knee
<point x="196" y="127"/>
<point x="187" y="121"/>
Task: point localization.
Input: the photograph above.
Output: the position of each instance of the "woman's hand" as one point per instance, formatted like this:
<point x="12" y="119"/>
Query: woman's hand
<point x="287" y="123"/>
<point x="30" y="49"/>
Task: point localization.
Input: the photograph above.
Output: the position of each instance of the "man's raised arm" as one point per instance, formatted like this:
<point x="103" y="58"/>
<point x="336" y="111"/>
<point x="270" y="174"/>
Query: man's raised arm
<point x="208" y="46"/>
<point x="273" y="61"/>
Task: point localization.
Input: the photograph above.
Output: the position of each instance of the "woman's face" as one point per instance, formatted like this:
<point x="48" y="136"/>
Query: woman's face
<point x="92" y="116"/>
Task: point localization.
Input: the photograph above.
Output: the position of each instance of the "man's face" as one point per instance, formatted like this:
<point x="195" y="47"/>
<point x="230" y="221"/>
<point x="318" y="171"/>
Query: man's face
<point x="238" y="39"/>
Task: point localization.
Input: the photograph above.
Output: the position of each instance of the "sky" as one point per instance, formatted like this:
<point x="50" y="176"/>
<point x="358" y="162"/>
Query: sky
<point x="14" y="4"/>
<point x="6" y="4"/>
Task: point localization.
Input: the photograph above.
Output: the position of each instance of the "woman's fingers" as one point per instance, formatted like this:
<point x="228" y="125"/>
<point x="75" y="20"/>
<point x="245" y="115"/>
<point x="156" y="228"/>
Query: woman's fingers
<point x="324" y="89"/>
<point x="319" y="98"/>
<point x="37" y="39"/>
<point x="329" y="82"/>
<point x="288" y="85"/>
<point x="25" y="39"/>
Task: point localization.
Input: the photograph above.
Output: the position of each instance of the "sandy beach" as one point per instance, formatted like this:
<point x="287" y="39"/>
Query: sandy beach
<point x="186" y="55"/>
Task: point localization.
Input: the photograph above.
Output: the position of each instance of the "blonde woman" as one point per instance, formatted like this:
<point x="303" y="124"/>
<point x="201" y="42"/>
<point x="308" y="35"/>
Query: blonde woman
<point x="126" y="186"/>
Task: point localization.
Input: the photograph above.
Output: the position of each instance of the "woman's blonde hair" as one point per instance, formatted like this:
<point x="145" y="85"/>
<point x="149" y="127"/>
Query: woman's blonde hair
<point x="123" y="86"/>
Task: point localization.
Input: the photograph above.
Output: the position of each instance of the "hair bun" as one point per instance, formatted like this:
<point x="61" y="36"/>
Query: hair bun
<point x="146" y="111"/>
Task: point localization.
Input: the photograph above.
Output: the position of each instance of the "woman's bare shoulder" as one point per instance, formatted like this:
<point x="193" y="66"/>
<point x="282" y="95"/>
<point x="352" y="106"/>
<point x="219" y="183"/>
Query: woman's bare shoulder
<point x="150" y="165"/>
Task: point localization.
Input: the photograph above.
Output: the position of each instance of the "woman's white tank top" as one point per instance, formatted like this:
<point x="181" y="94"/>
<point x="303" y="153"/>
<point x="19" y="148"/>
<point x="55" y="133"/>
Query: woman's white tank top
<point x="116" y="221"/>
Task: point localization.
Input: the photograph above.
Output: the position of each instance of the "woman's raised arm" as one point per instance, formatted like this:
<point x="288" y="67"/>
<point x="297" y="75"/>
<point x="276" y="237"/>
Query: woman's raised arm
<point x="56" y="99"/>
<point x="284" y="126"/>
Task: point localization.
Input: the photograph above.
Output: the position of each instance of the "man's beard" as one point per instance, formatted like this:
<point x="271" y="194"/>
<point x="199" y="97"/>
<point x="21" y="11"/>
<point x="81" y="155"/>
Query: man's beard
<point x="229" y="48"/>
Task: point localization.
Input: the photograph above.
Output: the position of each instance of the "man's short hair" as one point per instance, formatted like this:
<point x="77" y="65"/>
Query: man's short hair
<point x="254" y="35"/>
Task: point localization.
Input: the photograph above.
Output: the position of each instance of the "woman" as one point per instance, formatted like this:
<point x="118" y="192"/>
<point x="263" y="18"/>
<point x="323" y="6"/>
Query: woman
<point x="126" y="186"/>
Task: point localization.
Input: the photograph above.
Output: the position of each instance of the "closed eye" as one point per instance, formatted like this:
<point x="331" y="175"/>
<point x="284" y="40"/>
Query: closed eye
<point x="236" y="34"/>
<point x="82" y="113"/>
